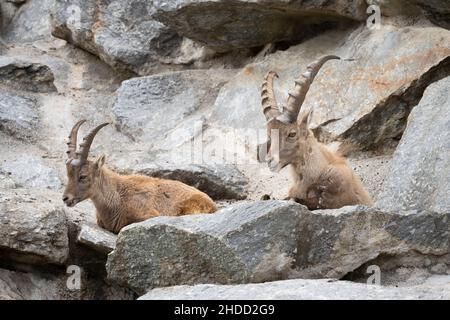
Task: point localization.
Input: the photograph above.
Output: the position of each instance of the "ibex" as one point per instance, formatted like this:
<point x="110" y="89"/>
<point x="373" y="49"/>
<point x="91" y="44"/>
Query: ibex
<point x="124" y="199"/>
<point x="322" y="179"/>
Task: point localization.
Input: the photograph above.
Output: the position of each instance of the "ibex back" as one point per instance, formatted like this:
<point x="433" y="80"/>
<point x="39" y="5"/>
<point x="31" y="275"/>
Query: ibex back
<point x="124" y="199"/>
<point x="322" y="179"/>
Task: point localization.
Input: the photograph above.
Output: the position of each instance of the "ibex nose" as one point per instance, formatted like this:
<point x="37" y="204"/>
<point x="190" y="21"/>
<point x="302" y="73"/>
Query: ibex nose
<point x="69" y="201"/>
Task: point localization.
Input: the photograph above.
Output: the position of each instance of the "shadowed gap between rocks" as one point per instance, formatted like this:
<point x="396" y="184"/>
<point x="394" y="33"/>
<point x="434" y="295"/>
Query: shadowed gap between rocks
<point x="92" y="264"/>
<point x="398" y="269"/>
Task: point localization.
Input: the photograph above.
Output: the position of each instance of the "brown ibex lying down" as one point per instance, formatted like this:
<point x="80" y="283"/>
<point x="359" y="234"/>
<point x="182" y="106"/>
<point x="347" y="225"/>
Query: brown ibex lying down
<point x="322" y="179"/>
<point x="124" y="199"/>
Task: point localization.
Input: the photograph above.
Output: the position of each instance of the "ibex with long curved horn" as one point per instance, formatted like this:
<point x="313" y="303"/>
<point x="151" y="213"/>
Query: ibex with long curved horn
<point x="322" y="179"/>
<point x="124" y="199"/>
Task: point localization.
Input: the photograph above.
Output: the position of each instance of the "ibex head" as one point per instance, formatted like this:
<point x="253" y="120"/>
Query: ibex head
<point x="81" y="172"/>
<point x="287" y="129"/>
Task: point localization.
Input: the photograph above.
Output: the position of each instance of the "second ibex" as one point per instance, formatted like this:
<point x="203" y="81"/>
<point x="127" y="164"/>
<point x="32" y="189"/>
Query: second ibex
<point x="322" y="179"/>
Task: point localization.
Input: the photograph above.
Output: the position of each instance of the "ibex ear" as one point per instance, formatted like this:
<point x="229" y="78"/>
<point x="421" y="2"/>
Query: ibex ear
<point x="305" y="119"/>
<point x="100" y="161"/>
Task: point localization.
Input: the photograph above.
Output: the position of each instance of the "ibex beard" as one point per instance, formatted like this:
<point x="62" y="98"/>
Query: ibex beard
<point x="322" y="179"/>
<point x="124" y="199"/>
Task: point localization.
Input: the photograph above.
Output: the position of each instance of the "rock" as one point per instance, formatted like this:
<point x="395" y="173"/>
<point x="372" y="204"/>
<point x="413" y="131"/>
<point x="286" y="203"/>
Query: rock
<point x="339" y="241"/>
<point x="27" y="286"/>
<point x="419" y="177"/>
<point x="122" y="33"/>
<point x="30" y="23"/>
<point x="19" y="115"/>
<point x="437" y="11"/>
<point x="24" y="75"/>
<point x="362" y="103"/>
<point x="30" y="172"/>
<point x="268" y="241"/>
<point x="97" y="238"/>
<point x="7" y="12"/>
<point x="220" y="24"/>
<point x="236" y="245"/>
<point x="218" y="181"/>
<point x="52" y="285"/>
<point x="323" y="289"/>
<point x="6" y="182"/>
<point x="147" y="108"/>
<point x="32" y="229"/>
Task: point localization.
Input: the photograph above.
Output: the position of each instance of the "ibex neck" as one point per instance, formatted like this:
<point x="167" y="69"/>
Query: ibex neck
<point x="106" y="197"/>
<point x="312" y="156"/>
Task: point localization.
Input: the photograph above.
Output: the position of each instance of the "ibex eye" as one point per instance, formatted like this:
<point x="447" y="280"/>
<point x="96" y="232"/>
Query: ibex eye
<point x="292" y="134"/>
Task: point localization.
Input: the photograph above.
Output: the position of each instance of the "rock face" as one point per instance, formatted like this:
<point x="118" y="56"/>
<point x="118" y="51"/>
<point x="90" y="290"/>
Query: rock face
<point x="267" y="241"/>
<point x="220" y="24"/>
<point x="300" y="290"/>
<point x="189" y="112"/>
<point x="420" y="175"/>
<point x="148" y="108"/>
<point x="19" y="115"/>
<point x="26" y="286"/>
<point x="122" y="33"/>
<point x="24" y="75"/>
<point x="30" y="23"/>
<point x="53" y="286"/>
<point x="218" y="181"/>
<point x="30" y="172"/>
<point x="32" y="229"/>
<point x="7" y="11"/>
<point x="6" y="182"/>
<point x="364" y="102"/>
<point x="437" y="11"/>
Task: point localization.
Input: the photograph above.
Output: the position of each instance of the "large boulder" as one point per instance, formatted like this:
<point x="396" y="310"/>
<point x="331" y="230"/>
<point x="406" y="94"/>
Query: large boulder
<point x="218" y="181"/>
<point x="225" y="25"/>
<point x="29" y="171"/>
<point x="25" y="75"/>
<point x="30" y="23"/>
<point x="301" y="289"/>
<point x="364" y="102"/>
<point x="419" y="177"/>
<point x="270" y="240"/>
<point x="19" y="115"/>
<point x="122" y="33"/>
<point x="33" y="229"/>
<point x="148" y="108"/>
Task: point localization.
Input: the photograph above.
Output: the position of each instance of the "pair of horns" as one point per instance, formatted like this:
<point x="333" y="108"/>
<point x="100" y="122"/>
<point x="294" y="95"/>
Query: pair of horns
<point x="85" y="146"/>
<point x="296" y="95"/>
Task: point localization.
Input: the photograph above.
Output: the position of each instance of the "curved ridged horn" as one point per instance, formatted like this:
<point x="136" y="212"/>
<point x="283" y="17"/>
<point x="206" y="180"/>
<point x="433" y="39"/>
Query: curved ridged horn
<point x="72" y="144"/>
<point x="298" y="93"/>
<point x="85" y="146"/>
<point x="268" y="100"/>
